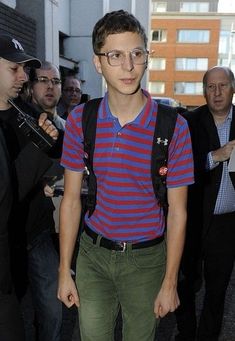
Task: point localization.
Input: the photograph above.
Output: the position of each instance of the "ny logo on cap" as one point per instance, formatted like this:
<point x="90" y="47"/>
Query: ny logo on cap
<point x="17" y="44"/>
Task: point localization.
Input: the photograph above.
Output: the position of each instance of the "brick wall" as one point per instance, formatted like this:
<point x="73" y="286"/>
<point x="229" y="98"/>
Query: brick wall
<point x="171" y="50"/>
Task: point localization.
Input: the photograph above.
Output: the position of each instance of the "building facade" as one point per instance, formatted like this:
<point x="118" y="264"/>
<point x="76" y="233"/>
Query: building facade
<point x="62" y="32"/>
<point x="187" y="38"/>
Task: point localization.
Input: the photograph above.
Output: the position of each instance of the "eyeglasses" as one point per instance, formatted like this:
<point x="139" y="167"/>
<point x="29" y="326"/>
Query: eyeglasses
<point x="46" y="80"/>
<point x="70" y="89"/>
<point x="117" y="58"/>
<point x="221" y="86"/>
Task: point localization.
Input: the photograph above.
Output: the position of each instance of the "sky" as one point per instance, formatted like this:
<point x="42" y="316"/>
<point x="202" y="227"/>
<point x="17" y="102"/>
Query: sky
<point x="226" y="6"/>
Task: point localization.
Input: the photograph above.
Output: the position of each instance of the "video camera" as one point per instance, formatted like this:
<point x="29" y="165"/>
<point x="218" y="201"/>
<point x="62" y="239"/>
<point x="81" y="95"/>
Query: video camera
<point x="32" y="130"/>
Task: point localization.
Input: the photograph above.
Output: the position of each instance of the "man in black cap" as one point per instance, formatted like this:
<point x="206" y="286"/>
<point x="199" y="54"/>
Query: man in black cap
<point x="21" y="168"/>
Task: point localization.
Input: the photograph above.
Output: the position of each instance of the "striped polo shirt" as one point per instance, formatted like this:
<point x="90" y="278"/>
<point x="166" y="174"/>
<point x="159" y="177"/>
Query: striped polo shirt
<point x="126" y="208"/>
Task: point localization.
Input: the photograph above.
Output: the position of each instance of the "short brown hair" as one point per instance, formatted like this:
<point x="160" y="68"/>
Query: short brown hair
<point x="115" y="22"/>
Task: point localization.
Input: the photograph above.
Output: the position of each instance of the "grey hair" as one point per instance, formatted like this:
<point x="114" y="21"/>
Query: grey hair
<point x="226" y="69"/>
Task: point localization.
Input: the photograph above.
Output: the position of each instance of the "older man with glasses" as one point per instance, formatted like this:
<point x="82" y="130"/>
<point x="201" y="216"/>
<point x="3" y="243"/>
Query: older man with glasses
<point x="210" y="230"/>
<point x="71" y="96"/>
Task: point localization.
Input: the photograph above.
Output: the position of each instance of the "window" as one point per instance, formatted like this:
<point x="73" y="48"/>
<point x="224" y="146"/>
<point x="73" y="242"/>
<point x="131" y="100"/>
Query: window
<point x="188" y="88"/>
<point x="156" y="87"/>
<point x="159" y="6"/>
<point x="157" y="63"/>
<point x="225" y="61"/>
<point x="159" y="35"/>
<point x="224" y="42"/>
<point x="191" y="64"/>
<point x="227" y="42"/>
<point x="194" y="7"/>
<point x="193" y="36"/>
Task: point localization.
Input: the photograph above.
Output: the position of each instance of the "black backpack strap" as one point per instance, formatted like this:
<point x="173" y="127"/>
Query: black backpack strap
<point x="164" y="130"/>
<point x="89" y="122"/>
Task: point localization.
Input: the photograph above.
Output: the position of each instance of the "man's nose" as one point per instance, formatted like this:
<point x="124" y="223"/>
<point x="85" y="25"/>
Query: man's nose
<point x="218" y="89"/>
<point x="22" y="74"/>
<point x="128" y="62"/>
<point x="50" y="83"/>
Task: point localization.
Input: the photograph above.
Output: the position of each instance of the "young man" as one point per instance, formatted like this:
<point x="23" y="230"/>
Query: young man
<point x="19" y="170"/>
<point x="122" y="257"/>
<point x="213" y="138"/>
<point x="71" y="96"/>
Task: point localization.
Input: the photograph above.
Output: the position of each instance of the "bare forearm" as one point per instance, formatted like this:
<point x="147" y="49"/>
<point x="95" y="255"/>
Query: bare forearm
<point x="175" y="243"/>
<point x="167" y="299"/>
<point x="69" y="224"/>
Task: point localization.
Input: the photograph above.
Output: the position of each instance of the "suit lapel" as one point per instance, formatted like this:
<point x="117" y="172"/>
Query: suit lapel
<point x="232" y="129"/>
<point x="211" y="130"/>
<point x="232" y="137"/>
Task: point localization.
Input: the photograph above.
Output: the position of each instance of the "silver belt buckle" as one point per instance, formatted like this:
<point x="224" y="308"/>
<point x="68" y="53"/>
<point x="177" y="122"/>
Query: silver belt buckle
<point x="123" y="244"/>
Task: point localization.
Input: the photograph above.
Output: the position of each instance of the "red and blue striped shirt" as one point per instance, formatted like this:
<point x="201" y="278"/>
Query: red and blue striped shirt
<point x="126" y="208"/>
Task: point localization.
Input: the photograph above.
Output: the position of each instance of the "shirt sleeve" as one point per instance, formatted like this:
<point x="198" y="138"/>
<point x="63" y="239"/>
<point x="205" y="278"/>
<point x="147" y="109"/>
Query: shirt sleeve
<point x="180" y="159"/>
<point x="210" y="163"/>
<point x="73" y="152"/>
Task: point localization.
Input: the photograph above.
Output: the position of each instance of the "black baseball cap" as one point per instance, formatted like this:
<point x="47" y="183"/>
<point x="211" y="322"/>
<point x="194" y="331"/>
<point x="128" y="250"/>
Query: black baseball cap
<point x="12" y="50"/>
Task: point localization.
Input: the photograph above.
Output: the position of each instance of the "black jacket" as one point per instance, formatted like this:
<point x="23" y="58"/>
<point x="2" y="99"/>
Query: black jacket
<point x="22" y="167"/>
<point x="207" y="183"/>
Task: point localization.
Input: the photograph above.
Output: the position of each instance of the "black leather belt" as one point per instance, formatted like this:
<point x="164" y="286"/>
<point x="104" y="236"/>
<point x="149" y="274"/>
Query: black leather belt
<point x="120" y="246"/>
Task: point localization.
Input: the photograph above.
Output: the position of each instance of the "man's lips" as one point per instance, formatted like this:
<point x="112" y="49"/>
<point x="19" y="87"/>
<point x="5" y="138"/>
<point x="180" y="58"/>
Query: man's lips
<point x="218" y="101"/>
<point x="127" y="80"/>
<point x="49" y="95"/>
<point x="18" y="88"/>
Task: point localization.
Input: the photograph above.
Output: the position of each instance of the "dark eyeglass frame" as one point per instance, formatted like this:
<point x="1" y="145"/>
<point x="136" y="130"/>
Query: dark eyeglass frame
<point x="45" y="80"/>
<point x="123" y="54"/>
<point x="71" y="89"/>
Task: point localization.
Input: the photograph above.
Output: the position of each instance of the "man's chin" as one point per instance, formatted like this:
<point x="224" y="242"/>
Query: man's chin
<point x="74" y="103"/>
<point x="15" y="95"/>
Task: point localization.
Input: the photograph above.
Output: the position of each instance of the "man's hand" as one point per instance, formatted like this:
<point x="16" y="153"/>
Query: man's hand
<point x="223" y="153"/>
<point x="49" y="190"/>
<point x="48" y="126"/>
<point x="167" y="301"/>
<point x="67" y="292"/>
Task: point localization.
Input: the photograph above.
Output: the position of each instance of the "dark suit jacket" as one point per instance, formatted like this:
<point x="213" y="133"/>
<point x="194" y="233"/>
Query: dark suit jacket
<point x="205" y="139"/>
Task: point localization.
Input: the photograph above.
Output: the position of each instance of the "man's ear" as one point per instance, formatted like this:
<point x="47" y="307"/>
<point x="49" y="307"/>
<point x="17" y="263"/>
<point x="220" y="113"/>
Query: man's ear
<point x="96" y="61"/>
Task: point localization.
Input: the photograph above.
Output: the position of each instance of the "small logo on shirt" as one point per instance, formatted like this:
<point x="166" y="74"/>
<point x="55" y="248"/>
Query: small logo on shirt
<point x="161" y="141"/>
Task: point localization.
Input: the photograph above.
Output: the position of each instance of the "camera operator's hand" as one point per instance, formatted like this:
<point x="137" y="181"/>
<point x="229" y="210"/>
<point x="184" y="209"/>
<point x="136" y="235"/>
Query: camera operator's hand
<point x="48" y="126"/>
<point x="49" y="190"/>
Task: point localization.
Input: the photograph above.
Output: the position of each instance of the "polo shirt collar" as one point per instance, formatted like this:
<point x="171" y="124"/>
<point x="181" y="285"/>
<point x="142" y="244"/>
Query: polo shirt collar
<point x="143" y="119"/>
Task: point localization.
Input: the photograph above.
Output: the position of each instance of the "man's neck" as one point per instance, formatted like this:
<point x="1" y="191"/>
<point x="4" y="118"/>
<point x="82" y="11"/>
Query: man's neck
<point x="4" y="105"/>
<point x="51" y="111"/>
<point x="220" y="117"/>
<point x="127" y="108"/>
